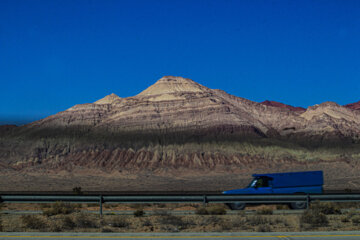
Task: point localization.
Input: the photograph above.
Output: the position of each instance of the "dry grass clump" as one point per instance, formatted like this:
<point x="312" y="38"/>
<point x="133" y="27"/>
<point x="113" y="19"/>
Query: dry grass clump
<point x="212" y="210"/>
<point x="326" y="207"/>
<point x="264" y="211"/>
<point x="312" y="218"/>
<point x="85" y="221"/>
<point x="160" y="212"/>
<point x="139" y="213"/>
<point x="67" y="223"/>
<point x="118" y="222"/>
<point x="59" y="208"/>
<point x="33" y="222"/>
<point x="173" y="222"/>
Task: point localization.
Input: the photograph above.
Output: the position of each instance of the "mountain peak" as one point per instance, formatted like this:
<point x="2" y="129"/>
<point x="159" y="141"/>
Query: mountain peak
<point x="109" y="99"/>
<point x="172" y="84"/>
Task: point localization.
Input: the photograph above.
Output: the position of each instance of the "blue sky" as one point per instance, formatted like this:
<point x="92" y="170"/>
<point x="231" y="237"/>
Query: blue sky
<point x="58" y="53"/>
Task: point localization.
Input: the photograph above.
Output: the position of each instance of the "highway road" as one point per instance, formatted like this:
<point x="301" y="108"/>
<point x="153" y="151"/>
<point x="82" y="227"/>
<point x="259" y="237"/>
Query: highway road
<point x="187" y="236"/>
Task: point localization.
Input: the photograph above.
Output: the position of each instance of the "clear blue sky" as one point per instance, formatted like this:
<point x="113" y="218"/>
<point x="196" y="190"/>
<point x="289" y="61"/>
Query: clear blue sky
<point x="58" y="53"/>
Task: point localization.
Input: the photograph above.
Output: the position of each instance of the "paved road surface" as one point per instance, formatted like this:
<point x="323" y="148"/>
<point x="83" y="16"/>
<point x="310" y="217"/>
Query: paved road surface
<point x="187" y="236"/>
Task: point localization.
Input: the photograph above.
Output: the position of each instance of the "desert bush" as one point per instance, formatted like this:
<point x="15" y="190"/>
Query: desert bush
<point x="118" y="221"/>
<point x="44" y="205"/>
<point x="92" y="205"/>
<point x="59" y="208"/>
<point x="345" y="219"/>
<point x="160" y="205"/>
<point x="326" y="207"/>
<point x="213" y="210"/>
<point x="264" y="211"/>
<point x="314" y="217"/>
<point x="201" y="211"/>
<point x="147" y="223"/>
<point x="84" y="221"/>
<point x="106" y="230"/>
<point x="67" y="223"/>
<point x="77" y="190"/>
<point x="237" y="222"/>
<point x="256" y="220"/>
<point x="355" y="220"/>
<point x="263" y="228"/>
<point x="161" y="212"/>
<point x="209" y="220"/>
<point x="139" y="205"/>
<point x="33" y="222"/>
<point x="139" y="213"/>
<point x="173" y="220"/>
<point x="217" y="210"/>
<point x="282" y="207"/>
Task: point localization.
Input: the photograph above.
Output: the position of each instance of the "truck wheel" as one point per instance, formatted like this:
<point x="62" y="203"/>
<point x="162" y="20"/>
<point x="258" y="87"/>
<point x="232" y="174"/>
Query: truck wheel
<point x="298" y="205"/>
<point x="237" y="206"/>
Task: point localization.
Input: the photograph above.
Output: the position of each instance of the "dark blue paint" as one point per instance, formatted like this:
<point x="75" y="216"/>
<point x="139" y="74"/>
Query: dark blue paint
<point x="286" y="183"/>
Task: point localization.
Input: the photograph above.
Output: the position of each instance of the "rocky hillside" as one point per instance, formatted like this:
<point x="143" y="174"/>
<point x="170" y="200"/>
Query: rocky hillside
<point x="178" y="124"/>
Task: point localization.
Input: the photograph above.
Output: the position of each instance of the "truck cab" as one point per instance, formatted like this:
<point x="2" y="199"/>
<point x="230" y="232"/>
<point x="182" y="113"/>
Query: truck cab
<point x="281" y="183"/>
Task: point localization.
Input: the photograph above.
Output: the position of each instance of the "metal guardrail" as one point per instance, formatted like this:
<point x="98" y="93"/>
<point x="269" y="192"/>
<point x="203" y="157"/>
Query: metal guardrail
<point x="218" y="198"/>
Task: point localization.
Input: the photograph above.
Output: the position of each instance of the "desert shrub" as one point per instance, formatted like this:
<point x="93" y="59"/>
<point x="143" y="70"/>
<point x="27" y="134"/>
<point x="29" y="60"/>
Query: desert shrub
<point x="67" y="223"/>
<point x="147" y="223"/>
<point x="237" y="222"/>
<point x="77" y="190"/>
<point x="263" y="228"/>
<point x="139" y="213"/>
<point x="160" y="205"/>
<point x="59" y="208"/>
<point x="314" y="218"/>
<point x="106" y="230"/>
<point x="256" y="220"/>
<point x="282" y="207"/>
<point x="264" y="211"/>
<point x="355" y="220"/>
<point x="326" y="207"/>
<point x="161" y="212"/>
<point x="201" y="211"/>
<point x="33" y="222"/>
<point x="84" y="221"/>
<point x="209" y="220"/>
<point x="174" y="221"/>
<point x="92" y="205"/>
<point x="217" y="210"/>
<point x="118" y="221"/>
<point x="345" y="219"/>
<point x="44" y="205"/>
<point x="139" y="205"/>
<point x="214" y="210"/>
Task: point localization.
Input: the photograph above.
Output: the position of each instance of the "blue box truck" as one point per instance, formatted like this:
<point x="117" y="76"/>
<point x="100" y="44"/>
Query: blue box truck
<point x="281" y="183"/>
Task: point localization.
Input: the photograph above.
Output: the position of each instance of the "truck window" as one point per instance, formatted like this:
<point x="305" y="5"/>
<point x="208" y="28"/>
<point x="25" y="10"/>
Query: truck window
<point x="259" y="182"/>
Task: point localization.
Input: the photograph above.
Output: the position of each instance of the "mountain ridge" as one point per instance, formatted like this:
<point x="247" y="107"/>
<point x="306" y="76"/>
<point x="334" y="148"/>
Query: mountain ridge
<point x="177" y="126"/>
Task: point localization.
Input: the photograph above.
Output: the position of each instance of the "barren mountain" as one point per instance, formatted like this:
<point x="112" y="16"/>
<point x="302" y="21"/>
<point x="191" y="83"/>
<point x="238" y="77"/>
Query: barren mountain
<point x="178" y="127"/>
<point x="354" y="106"/>
<point x="281" y="105"/>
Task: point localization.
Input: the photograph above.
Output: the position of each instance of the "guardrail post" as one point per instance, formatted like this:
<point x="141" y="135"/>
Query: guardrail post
<point x="205" y="201"/>
<point x="101" y="202"/>
<point x="307" y="201"/>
